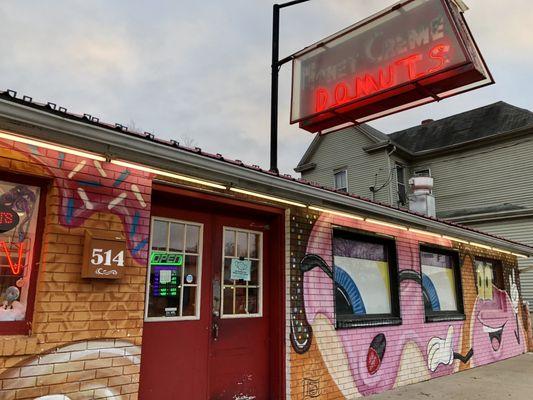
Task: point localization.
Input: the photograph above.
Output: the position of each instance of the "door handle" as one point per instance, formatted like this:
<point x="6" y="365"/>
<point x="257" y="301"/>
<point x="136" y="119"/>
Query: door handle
<point x="215" y="331"/>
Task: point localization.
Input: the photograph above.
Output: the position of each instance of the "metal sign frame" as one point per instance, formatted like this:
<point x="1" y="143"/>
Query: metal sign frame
<point x="386" y="102"/>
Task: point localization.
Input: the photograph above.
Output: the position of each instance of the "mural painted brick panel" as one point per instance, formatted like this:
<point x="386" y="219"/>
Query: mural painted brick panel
<point x="86" y="334"/>
<point x="330" y="363"/>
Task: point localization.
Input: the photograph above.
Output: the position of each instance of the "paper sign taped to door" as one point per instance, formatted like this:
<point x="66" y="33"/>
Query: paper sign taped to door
<point x="240" y="269"/>
<point x="165" y="276"/>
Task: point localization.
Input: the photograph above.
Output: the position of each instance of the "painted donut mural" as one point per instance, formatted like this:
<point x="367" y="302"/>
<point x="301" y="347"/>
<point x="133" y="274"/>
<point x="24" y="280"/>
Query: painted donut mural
<point x="87" y="187"/>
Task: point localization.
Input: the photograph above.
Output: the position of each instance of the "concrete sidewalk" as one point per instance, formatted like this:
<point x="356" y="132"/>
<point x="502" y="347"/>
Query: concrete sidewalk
<point x="509" y="379"/>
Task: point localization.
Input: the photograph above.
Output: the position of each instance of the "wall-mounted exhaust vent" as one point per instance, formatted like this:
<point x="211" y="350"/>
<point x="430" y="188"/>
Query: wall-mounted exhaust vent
<point x="421" y="199"/>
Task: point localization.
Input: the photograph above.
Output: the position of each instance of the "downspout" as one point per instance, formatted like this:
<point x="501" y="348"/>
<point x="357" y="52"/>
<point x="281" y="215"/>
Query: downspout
<point x="390" y="172"/>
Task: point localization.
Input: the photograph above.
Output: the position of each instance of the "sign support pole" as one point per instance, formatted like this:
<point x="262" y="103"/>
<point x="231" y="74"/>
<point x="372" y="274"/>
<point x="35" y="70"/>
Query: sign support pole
<point x="276" y="65"/>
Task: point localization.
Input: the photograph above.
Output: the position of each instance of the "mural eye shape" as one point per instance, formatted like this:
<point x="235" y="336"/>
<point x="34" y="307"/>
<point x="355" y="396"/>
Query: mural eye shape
<point x="480" y="287"/>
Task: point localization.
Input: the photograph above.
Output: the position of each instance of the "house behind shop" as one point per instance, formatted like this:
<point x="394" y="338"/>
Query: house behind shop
<point x="233" y="282"/>
<point x="480" y="161"/>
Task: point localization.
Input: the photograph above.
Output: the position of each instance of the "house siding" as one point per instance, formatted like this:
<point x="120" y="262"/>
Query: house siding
<point x="344" y="149"/>
<point x="489" y="175"/>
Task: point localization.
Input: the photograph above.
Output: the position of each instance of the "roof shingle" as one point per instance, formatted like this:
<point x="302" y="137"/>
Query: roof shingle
<point x="470" y="125"/>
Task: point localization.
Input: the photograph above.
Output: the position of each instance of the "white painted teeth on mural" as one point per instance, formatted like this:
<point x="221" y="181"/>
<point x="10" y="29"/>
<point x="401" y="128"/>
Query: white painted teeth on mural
<point x="138" y="195"/>
<point x="77" y="169"/>
<point x="440" y="351"/>
<point x="86" y="202"/>
<point x="116" y="201"/>
<point x="488" y="329"/>
<point x="100" y="169"/>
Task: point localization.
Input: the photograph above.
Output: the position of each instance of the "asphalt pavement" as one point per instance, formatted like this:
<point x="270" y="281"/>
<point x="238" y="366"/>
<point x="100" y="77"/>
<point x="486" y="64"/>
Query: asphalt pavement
<point x="509" y="379"/>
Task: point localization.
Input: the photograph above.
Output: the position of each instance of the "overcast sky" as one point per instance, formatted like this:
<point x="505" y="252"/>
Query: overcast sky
<point x="201" y="69"/>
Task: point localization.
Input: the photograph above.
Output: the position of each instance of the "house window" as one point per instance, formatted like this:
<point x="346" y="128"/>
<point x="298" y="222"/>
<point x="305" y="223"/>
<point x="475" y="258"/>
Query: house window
<point x="441" y="284"/>
<point x="341" y="180"/>
<point x="489" y="275"/>
<point x="425" y="172"/>
<point x="20" y="230"/>
<point x="400" y="179"/>
<point x="366" y="285"/>
<point x="175" y="270"/>
<point x="242" y="270"/>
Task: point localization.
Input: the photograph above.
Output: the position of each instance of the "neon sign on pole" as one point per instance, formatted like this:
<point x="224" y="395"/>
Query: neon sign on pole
<point x="414" y="53"/>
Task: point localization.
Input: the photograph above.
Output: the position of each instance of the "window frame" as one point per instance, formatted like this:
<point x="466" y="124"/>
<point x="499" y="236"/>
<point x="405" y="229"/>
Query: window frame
<point x="338" y="171"/>
<point x="418" y="170"/>
<point x="401" y="183"/>
<point x="24" y="327"/>
<point x="197" y="315"/>
<point x="497" y="266"/>
<point x="260" y="287"/>
<point x="361" y="321"/>
<point x="441" y="316"/>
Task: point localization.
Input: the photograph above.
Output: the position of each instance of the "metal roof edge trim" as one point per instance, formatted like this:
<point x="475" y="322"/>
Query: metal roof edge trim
<point x="125" y="146"/>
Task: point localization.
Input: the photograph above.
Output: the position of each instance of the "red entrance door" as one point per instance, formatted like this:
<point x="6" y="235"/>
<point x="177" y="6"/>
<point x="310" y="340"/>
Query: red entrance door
<point x="239" y="357"/>
<point x="211" y="326"/>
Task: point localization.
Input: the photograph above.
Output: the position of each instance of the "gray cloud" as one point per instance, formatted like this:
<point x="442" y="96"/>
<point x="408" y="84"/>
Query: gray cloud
<point x="202" y="69"/>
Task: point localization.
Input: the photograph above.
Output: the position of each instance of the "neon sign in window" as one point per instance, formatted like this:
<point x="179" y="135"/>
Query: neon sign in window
<point x="18" y="224"/>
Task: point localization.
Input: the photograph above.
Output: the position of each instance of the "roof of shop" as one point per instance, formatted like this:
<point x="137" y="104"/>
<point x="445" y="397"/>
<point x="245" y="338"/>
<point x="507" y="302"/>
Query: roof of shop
<point x="120" y="130"/>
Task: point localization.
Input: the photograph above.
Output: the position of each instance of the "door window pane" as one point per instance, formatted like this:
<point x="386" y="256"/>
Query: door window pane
<point x="193" y="238"/>
<point x="229" y="243"/>
<point x="242" y="244"/>
<point x="189" y="300"/>
<point x="19" y="207"/>
<point x="174" y="272"/>
<point x="438" y="281"/>
<point x="177" y="236"/>
<point x="191" y="270"/>
<point x="241" y="271"/>
<point x="254" y="245"/>
<point x="253" y="300"/>
<point x="159" y="235"/>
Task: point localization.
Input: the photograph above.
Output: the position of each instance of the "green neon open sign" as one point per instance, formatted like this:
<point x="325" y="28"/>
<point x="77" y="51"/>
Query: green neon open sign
<point x="166" y="258"/>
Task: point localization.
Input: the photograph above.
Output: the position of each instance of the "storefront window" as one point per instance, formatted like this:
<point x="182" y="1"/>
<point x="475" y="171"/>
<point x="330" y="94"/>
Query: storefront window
<point x="242" y="272"/>
<point x="19" y="208"/>
<point x="440" y="283"/>
<point x="174" y="270"/>
<point x="489" y="275"/>
<point x="365" y="277"/>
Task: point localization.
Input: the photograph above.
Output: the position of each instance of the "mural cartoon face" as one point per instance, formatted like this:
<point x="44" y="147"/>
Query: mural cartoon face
<point x="496" y="323"/>
<point x="378" y="356"/>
